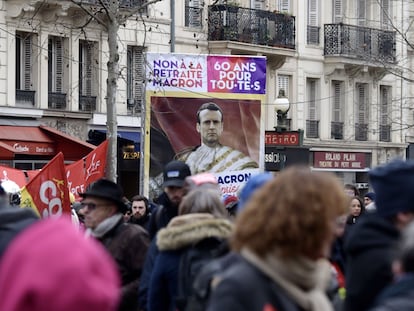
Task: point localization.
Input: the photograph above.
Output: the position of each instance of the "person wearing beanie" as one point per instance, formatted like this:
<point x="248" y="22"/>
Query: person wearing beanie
<point x="369" y="200"/>
<point x="51" y="266"/>
<point x="254" y="183"/>
<point x="370" y="245"/>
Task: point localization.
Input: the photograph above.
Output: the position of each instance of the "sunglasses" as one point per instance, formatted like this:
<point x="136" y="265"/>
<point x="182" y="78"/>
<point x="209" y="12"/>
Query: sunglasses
<point x="92" y="206"/>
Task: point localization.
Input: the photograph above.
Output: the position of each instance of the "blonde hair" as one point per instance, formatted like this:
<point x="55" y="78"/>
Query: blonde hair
<point x="293" y="213"/>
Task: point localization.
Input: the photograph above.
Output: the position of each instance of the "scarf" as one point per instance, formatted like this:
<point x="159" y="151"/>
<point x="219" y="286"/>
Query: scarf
<point x="303" y="280"/>
<point x="105" y="226"/>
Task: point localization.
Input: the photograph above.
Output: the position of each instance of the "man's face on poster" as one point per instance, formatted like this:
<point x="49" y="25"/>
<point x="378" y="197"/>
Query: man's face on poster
<point x="210" y="127"/>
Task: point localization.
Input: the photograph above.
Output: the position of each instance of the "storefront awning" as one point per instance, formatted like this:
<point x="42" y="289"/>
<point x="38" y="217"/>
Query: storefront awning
<point x="40" y="141"/>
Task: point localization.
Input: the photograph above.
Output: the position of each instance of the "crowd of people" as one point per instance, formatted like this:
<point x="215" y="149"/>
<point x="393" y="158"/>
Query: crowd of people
<point x="297" y="241"/>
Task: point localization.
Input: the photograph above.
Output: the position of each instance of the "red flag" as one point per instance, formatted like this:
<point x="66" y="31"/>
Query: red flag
<point x="47" y="193"/>
<point x="88" y="169"/>
<point x="13" y="175"/>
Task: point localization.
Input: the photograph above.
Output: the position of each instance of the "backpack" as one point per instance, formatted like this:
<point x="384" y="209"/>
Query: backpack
<point x="192" y="260"/>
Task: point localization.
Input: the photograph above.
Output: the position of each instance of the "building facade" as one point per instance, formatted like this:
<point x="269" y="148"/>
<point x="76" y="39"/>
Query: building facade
<point x="343" y="65"/>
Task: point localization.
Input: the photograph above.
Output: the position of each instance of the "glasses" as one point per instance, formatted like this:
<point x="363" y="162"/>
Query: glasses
<point x="92" y="206"/>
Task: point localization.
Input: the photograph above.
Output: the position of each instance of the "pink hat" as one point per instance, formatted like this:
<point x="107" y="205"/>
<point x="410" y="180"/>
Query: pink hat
<point x="51" y="266"/>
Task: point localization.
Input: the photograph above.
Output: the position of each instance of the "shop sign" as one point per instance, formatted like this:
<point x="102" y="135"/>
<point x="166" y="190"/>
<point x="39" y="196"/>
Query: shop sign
<point x="289" y="138"/>
<point x="37" y="148"/>
<point x="339" y="160"/>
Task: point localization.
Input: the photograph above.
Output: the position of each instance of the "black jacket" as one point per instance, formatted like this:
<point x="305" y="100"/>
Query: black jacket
<point x="369" y="250"/>
<point x="245" y="288"/>
<point x="14" y="220"/>
<point x="161" y="215"/>
<point x="398" y="296"/>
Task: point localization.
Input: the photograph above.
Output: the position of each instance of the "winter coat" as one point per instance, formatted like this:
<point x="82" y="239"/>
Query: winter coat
<point x="167" y="211"/>
<point x="182" y="232"/>
<point x="369" y="247"/>
<point x="243" y="287"/>
<point x="398" y="296"/>
<point x="14" y="220"/>
<point x="128" y="245"/>
<point x="143" y="221"/>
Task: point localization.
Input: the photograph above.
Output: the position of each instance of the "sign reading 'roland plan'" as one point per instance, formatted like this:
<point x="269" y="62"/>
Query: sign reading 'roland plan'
<point x="339" y="160"/>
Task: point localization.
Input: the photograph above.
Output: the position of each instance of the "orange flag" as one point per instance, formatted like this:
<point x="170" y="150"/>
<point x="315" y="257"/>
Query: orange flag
<point x="88" y="169"/>
<point x="47" y="193"/>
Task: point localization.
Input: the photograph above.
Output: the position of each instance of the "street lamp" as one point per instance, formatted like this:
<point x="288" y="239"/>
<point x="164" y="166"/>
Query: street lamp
<point x="282" y="106"/>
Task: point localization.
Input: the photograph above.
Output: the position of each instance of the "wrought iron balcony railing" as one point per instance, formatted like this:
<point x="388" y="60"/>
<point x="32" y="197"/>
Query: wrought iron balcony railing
<point x="25" y="97"/>
<point x="133" y="106"/>
<point x="56" y="100"/>
<point x="385" y="133"/>
<point x="87" y="103"/>
<point x="313" y="35"/>
<point x="312" y="128"/>
<point x="233" y="23"/>
<point x="337" y="130"/>
<point x="361" y="131"/>
<point x="359" y="42"/>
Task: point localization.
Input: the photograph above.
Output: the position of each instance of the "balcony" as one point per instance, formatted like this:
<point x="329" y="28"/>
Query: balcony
<point x="25" y="98"/>
<point x="57" y="101"/>
<point x="337" y="130"/>
<point x="312" y="128"/>
<point x="87" y="103"/>
<point x="237" y="30"/>
<point x="133" y="106"/>
<point x="385" y="133"/>
<point x="361" y="131"/>
<point x="360" y="43"/>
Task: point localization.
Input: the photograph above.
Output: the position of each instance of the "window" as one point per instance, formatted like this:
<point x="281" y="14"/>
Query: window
<point x="283" y="83"/>
<point x="283" y="6"/>
<point x="361" y="112"/>
<point x="385" y="104"/>
<point x="87" y="76"/>
<point x="135" y="78"/>
<point x="337" y="10"/>
<point x="337" y="100"/>
<point x="361" y="12"/>
<point x="25" y="69"/>
<point x="313" y="22"/>
<point x="57" y="98"/>
<point x="193" y="13"/>
<point x="312" y="123"/>
<point x="258" y="4"/>
<point x="385" y="7"/>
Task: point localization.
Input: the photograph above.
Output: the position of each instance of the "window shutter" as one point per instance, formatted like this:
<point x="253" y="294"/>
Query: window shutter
<point x="362" y="12"/>
<point x="284" y="6"/>
<point x="194" y="13"/>
<point x="283" y="84"/>
<point x="138" y="59"/>
<point x="59" y="64"/>
<point x="385" y="14"/>
<point x="385" y="104"/>
<point x="337" y="11"/>
<point x="27" y="67"/>
<point x="258" y="5"/>
<point x="313" y="13"/>
<point x="88" y="68"/>
<point x="312" y="99"/>
<point x="362" y="103"/>
<point x="337" y="100"/>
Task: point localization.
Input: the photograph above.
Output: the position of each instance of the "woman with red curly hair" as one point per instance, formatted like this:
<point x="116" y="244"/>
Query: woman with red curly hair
<point x="283" y="237"/>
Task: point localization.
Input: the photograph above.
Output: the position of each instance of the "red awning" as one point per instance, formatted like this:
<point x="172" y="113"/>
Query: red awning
<point x="40" y="140"/>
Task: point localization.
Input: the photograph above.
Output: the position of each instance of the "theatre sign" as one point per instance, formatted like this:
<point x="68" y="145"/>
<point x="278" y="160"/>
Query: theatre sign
<point x="339" y="160"/>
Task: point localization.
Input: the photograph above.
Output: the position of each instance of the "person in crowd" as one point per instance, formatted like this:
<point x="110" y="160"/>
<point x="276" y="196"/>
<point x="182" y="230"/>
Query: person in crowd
<point x="201" y="218"/>
<point x="140" y="211"/>
<point x="400" y="294"/>
<point x="174" y="174"/>
<point x="211" y="156"/>
<point x="51" y="266"/>
<point x="369" y="201"/>
<point x="356" y="209"/>
<point x="283" y="261"/>
<point x="351" y="190"/>
<point x="369" y="245"/>
<point x="12" y="220"/>
<point x="254" y="183"/>
<point x="127" y="243"/>
<point x="230" y="203"/>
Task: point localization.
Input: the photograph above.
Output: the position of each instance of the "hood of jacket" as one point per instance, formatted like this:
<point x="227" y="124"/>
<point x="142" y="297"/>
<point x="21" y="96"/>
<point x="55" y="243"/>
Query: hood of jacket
<point x="188" y="229"/>
<point x="371" y="231"/>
